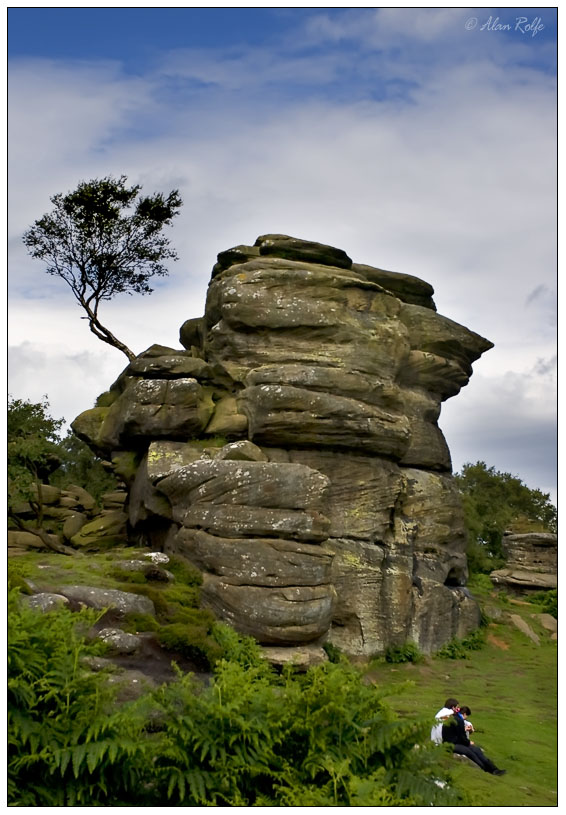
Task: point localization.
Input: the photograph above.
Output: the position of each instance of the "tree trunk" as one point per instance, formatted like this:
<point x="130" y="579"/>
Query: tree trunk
<point x="43" y="536"/>
<point x="102" y="332"/>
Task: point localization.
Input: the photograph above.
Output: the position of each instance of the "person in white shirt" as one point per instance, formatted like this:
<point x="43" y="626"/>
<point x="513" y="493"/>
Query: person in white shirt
<point x="449" y="709"/>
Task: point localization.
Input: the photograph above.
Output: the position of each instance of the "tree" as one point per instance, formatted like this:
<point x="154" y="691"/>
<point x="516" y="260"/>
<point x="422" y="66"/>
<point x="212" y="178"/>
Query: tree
<point x="32" y="456"/>
<point x="495" y="501"/>
<point x="105" y="239"/>
<point x="80" y="466"/>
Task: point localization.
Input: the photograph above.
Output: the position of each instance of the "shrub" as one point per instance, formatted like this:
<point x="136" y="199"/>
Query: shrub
<point x="408" y="652"/>
<point x="460" y="648"/>
<point x="250" y="737"/>
<point x="192" y="641"/>
<point x="333" y="653"/>
<point x="68" y="745"/>
<point x="547" y="600"/>
<point x="323" y="738"/>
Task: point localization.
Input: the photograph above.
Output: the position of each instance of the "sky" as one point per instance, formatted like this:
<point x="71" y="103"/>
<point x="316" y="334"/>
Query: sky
<point x="417" y="140"/>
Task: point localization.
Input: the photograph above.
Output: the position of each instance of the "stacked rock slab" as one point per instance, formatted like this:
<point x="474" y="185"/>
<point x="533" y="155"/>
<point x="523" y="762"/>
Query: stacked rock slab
<point x="292" y="450"/>
<point x="531" y="562"/>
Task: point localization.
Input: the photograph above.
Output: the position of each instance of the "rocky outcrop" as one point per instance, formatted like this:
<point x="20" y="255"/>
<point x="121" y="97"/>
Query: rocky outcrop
<point x="292" y="452"/>
<point x="532" y="562"/>
<point x="71" y="517"/>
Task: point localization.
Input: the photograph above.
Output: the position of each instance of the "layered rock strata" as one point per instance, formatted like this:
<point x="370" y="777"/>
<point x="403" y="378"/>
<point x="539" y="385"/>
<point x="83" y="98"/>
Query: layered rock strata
<point x="531" y="562"/>
<point x="291" y="451"/>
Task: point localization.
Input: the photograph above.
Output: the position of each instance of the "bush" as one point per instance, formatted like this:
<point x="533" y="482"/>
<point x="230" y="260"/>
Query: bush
<point x="250" y="737"/>
<point x="408" y="652"/>
<point x="319" y="739"/>
<point x="68" y="744"/>
<point x="460" y="648"/>
<point x="333" y="653"/>
<point x="547" y="600"/>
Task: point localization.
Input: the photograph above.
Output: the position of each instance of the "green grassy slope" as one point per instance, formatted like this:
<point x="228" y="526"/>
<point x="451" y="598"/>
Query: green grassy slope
<point x="511" y="687"/>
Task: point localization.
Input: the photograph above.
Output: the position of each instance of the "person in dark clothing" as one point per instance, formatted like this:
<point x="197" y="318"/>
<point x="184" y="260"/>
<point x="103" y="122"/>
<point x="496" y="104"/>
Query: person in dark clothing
<point x="454" y="733"/>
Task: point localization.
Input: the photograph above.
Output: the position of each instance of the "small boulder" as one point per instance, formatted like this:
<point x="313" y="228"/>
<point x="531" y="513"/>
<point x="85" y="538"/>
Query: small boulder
<point x="45" y="601"/>
<point x="108" y="529"/>
<point x="123" y="601"/>
<point x="81" y="496"/>
<point x="523" y="626"/>
<point x="27" y="540"/>
<point x="119" y="641"/>
<point x="241" y="451"/>
<point x="547" y="621"/>
<point x="74" y="524"/>
<point x="302" y="658"/>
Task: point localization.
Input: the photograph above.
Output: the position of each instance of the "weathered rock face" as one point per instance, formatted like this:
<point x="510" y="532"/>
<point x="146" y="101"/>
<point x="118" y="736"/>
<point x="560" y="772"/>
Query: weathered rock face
<point x="532" y="562"/>
<point x="292" y="450"/>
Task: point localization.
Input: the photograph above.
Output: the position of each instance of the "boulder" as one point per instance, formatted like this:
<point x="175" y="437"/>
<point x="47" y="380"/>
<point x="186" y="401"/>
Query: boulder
<point x="73" y="525"/>
<point x="119" y="641"/>
<point x="104" y="530"/>
<point x="531" y="551"/>
<point x="284" y="246"/>
<point x="256" y="561"/>
<point x="524" y="627"/>
<point x="547" y="621"/>
<point x="243" y="483"/>
<point x="407" y="288"/>
<point x="80" y="496"/>
<point x="45" y="601"/>
<point x="241" y="451"/>
<point x="301" y="657"/>
<point x="524" y="580"/>
<point x="27" y="540"/>
<point x="123" y="602"/>
<point x="284" y="616"/>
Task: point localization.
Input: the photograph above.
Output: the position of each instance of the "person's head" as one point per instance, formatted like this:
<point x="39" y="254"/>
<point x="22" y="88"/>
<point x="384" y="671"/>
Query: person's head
<point x="465" y="711"/>
<point x="451" y="703"/>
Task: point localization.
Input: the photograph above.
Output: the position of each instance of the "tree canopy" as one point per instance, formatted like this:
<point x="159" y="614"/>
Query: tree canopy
<point x="36" y="456"/>
<point x="104" y="239"/>
<point x="32" y="447"/>
<point x="496" y="501"/>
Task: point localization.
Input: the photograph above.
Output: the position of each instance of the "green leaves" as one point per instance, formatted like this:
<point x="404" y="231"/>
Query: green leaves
<point x="102" y="242"/>
<point x="494" y="501"/>
<point x="250" y="737"/>
<point x="67" y="743"/>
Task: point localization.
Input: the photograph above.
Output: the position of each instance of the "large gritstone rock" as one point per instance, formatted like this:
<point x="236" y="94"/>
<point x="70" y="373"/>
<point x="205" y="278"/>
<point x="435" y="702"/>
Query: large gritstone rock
<point x="532" y="562"/>
<point x="292" y="451"/>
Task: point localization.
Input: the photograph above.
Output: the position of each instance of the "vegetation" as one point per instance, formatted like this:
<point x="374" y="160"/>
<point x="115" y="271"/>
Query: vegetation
<point x="80" y="466"/>
<point x="105" y="239"/>
<point x="547" y="600"/>
<point x="510" y="684"/>
<point x="32" y="456"/>
<point x="38" y="456"/>
<point x="251" y="737"/>
<point x="408" y="652"/>
<point x="494" y="502"/>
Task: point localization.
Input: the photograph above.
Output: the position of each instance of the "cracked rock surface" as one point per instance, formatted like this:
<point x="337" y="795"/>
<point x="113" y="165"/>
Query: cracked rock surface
<point x="291" y="450"/>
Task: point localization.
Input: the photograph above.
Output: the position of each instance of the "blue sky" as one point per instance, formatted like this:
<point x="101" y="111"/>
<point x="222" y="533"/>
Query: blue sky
<point x="420" y="140"/>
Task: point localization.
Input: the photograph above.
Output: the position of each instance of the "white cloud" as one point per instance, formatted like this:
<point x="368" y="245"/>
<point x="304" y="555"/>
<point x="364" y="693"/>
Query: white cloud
<point x="455" y="186"/>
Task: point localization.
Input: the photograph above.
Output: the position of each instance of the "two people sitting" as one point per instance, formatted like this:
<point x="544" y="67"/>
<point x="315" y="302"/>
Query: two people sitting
<point x="450" y="728"/>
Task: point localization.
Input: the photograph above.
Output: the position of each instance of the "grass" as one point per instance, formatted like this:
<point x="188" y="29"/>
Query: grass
<point x="510" y="684"/>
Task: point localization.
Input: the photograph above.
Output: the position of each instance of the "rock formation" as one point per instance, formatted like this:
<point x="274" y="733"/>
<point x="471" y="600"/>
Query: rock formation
<point x="71" y="516"/>
<point x="291" y="451"/>
<point x="531" y="562"/>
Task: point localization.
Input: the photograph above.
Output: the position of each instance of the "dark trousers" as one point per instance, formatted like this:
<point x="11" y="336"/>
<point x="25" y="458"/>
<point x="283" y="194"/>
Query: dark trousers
<point x="475" y="754"/>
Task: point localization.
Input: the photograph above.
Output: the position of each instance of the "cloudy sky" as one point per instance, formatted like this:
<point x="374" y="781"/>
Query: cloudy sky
<point x="417" y="140"/>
